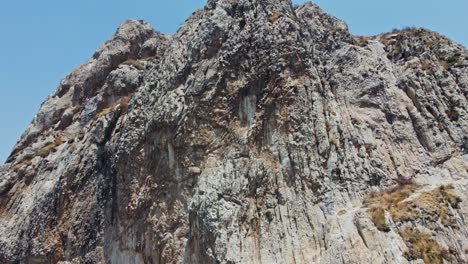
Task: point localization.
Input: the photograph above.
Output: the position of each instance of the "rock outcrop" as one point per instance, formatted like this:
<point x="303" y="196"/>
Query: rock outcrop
<point x="260" y="132"/>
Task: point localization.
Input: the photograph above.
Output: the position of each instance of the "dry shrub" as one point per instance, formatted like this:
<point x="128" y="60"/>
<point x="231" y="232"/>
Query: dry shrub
<point x="106" y="111"/>
<point x="432" y="206"/>
<point x="387" y="201"/>
<point x="362" y="41"/>
<point x="452" y="114"/>
<point x="52" y="147"/>
<point x="446" y="192"/>
<point x="392" y="196"/>
<point x="421" y="246"/>
<point x="384" y="39"/>
<point x="150" y="58"/>
<point x="426" y="65"/>
<point x="356" y="121"/>
<point x="444" y="64"/>
<point x="275" y="17"/>
<point x="449" y="62"/>
<point x="135" y="63"/>
<point x="43" y="152"/>
<point x="378" y="217"/>
<point x="123" y="103"/>
<point x="21" y="164"/>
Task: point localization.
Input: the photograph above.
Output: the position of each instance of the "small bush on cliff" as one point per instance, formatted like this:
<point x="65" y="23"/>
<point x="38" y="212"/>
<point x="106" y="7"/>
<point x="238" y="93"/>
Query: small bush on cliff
<point x="378" y="217"/>
<point x="275" y="17"/>
<point x="421" y="246"/>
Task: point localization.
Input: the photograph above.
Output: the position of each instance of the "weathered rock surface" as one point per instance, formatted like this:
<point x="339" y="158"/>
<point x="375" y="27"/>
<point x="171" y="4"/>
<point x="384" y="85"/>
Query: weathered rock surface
<point x="255" y="134"/>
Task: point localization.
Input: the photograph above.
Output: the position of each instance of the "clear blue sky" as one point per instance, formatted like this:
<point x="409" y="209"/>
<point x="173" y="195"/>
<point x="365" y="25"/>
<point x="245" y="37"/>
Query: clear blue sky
<point x="43" y="41"/>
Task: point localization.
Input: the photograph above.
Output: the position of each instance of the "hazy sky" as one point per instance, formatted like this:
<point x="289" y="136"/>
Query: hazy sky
<point x="43" y="41"/>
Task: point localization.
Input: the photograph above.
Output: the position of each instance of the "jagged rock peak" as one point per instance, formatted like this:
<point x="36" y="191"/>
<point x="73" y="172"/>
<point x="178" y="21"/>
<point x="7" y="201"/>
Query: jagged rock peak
<point x="262" y="3"/>
<point x="258" y="133"/>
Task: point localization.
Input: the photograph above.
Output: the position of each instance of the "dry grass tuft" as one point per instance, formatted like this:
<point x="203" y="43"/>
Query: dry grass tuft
<point x="426" y="65"/>
<point x="449" y="62"/>
<point x="52" y="147"/>
<point x="378" y="217"/>
<point x="123" y="103"/>
<point x="444" y="64"/>
<point x="106" y="111"/>
<point x="135" y="63"/>
<point x="275" y="17"/>
<point x="431" y="206"/>
<point x="362" y="41"/>
<point x="43" y="152"/>
<point x="334" y="141"/>
<point x="390" y="201"/>
<point x="21" y="164"/>
<point x="392" y="196"/>
<point x="150" y="58"/>
<point x="421" y="246"/>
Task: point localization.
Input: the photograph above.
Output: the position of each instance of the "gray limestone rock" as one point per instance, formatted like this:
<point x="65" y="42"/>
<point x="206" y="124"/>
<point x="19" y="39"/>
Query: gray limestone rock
<point x="260" y="132"/>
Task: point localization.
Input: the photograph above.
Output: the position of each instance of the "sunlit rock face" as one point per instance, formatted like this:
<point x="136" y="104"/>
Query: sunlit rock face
<point x="260" y="132"/>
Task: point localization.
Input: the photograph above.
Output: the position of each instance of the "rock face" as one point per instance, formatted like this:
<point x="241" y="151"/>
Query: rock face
<point x="258" y="133"/>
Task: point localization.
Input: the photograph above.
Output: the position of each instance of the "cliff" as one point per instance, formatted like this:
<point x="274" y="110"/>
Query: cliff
<point x="260" y="132"/>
